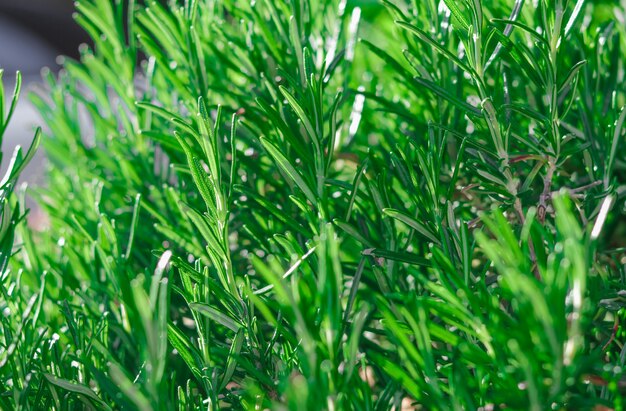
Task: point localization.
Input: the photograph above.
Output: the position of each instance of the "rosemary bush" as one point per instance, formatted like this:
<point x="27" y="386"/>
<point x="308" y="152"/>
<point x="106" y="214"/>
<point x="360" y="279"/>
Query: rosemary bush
<point x="321" y="204"/>
<point x="20" y="333"/>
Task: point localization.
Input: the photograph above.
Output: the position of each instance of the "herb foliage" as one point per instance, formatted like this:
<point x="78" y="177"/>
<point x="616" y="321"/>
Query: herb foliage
<point x="321" y="204"/>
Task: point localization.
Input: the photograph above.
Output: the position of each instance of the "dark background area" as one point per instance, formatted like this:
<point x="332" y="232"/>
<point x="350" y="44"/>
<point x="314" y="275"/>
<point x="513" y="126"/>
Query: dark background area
<point x="32" y="34"/>
<point x="36" y="31"/>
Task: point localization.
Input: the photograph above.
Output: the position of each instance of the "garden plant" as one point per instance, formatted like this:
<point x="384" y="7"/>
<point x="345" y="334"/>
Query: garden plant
<point x="324" y="204"/>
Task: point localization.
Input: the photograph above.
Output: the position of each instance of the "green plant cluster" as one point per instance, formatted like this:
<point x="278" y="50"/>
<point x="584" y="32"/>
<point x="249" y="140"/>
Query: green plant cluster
<point x="327" y="204"/>
<point x="19" y="313"/>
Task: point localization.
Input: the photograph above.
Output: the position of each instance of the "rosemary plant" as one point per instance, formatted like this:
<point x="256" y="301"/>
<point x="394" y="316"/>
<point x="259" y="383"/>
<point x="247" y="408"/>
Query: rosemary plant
<point x="322" y="204"/>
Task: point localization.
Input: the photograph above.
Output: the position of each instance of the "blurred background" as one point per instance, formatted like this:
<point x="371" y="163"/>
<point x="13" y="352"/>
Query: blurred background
<point x="32" y="34"/>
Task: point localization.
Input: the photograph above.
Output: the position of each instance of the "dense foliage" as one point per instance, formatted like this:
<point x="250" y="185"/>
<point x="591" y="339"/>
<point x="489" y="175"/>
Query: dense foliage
<point x="322" y="204"/>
